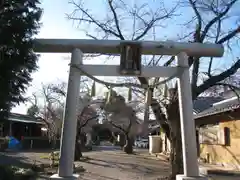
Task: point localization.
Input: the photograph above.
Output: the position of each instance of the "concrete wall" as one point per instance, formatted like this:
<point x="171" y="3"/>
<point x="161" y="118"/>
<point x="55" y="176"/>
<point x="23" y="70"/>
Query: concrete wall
<point x="228" y="154"/>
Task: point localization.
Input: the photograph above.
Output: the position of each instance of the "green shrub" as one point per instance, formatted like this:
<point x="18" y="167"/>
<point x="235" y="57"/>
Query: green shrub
<point x="16" y="173"/>
<point x="4" y="143"/>
<point x="6" y="172"/>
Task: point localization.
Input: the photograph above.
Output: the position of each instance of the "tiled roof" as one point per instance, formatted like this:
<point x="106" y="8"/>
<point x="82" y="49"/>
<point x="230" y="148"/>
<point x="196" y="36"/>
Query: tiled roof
<point x="24" y="118"/>
<point x="224" y="106"/>
<point x="203" y="103"/>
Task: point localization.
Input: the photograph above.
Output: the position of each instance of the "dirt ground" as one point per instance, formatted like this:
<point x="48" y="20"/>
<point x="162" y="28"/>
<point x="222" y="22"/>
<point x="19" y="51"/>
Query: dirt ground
<point x="114" y="165"/>
<point x="106" y="163"/>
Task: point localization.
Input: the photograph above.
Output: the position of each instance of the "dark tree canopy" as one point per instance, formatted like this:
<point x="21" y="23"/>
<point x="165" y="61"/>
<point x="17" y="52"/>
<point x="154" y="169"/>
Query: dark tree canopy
<point x="33" y="110"/>
<point x="19" y="22"/>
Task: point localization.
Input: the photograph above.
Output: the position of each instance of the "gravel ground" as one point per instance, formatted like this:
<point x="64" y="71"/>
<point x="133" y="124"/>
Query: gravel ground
<point x="115" y="165"/>
<point x="106" y="163"/>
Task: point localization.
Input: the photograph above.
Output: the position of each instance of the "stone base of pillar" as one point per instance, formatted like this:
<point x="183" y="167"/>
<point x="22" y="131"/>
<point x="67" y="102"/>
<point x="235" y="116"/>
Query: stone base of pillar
<point x="182" y="177"/>
<point x="73" y="177"/>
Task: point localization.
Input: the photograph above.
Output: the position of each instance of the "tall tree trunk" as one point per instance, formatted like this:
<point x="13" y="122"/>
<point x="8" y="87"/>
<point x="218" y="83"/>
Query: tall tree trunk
<point x="78" y="144"/>
<point x="53" y="143"/>
<point x="122" y="140"/>
<point x="114" y="138"/>
<point x="78" y="151"/>
<point x="128" y="147"/>
<point x="198" y="143"/>
<point x="176" y="150"/>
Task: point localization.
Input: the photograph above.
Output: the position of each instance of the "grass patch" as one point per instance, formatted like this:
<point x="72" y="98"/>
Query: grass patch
<point x="16" y="173"/>
<point x="48" y="156"/>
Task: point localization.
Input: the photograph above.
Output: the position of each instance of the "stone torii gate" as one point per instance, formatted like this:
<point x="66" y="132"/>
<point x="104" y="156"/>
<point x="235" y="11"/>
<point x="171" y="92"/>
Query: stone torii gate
<point x="128" y="67"/>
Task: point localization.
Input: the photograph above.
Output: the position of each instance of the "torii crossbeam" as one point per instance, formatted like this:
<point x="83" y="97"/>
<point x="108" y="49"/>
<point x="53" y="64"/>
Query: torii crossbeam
<point x="80" y="46"/>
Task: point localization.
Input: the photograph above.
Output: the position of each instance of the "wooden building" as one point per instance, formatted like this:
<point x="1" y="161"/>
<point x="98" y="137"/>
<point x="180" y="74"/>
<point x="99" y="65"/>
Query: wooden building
<point x="20" y="125"/>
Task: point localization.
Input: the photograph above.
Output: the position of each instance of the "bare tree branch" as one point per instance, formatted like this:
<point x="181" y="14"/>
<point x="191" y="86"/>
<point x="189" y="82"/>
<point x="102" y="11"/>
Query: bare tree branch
<point x="150" y="24"/>
<point x="229" y="36"/>
<point x="118" y="127"/>
<point x="168" y="63"/>
<point x="86" y="121"/>
<point x="200" y="36"/>
<point x="90" y="19"/>
<point x="199" y="18"/>
<point x="233" y="88"/>
<point x="197" y="38"/>
<point x="106" y="27"/>
<point x="84" y="115"/>
<point x="195" y="73"/>
<point x="217" y="18"/>
<point x="217" y="78"/>
<point x="115" y="19"/>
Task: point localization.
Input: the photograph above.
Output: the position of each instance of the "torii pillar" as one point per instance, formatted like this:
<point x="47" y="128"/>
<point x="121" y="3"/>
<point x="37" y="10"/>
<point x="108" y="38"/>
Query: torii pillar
<point x="188" y="132"/>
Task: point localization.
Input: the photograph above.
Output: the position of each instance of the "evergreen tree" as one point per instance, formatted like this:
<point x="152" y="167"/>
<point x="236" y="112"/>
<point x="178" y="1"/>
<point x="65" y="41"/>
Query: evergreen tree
<point x="33" y="111"/>
<point x="19" y="22"/>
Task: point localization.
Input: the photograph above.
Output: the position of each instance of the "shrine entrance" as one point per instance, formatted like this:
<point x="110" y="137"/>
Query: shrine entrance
<point x="130" y="65"/>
